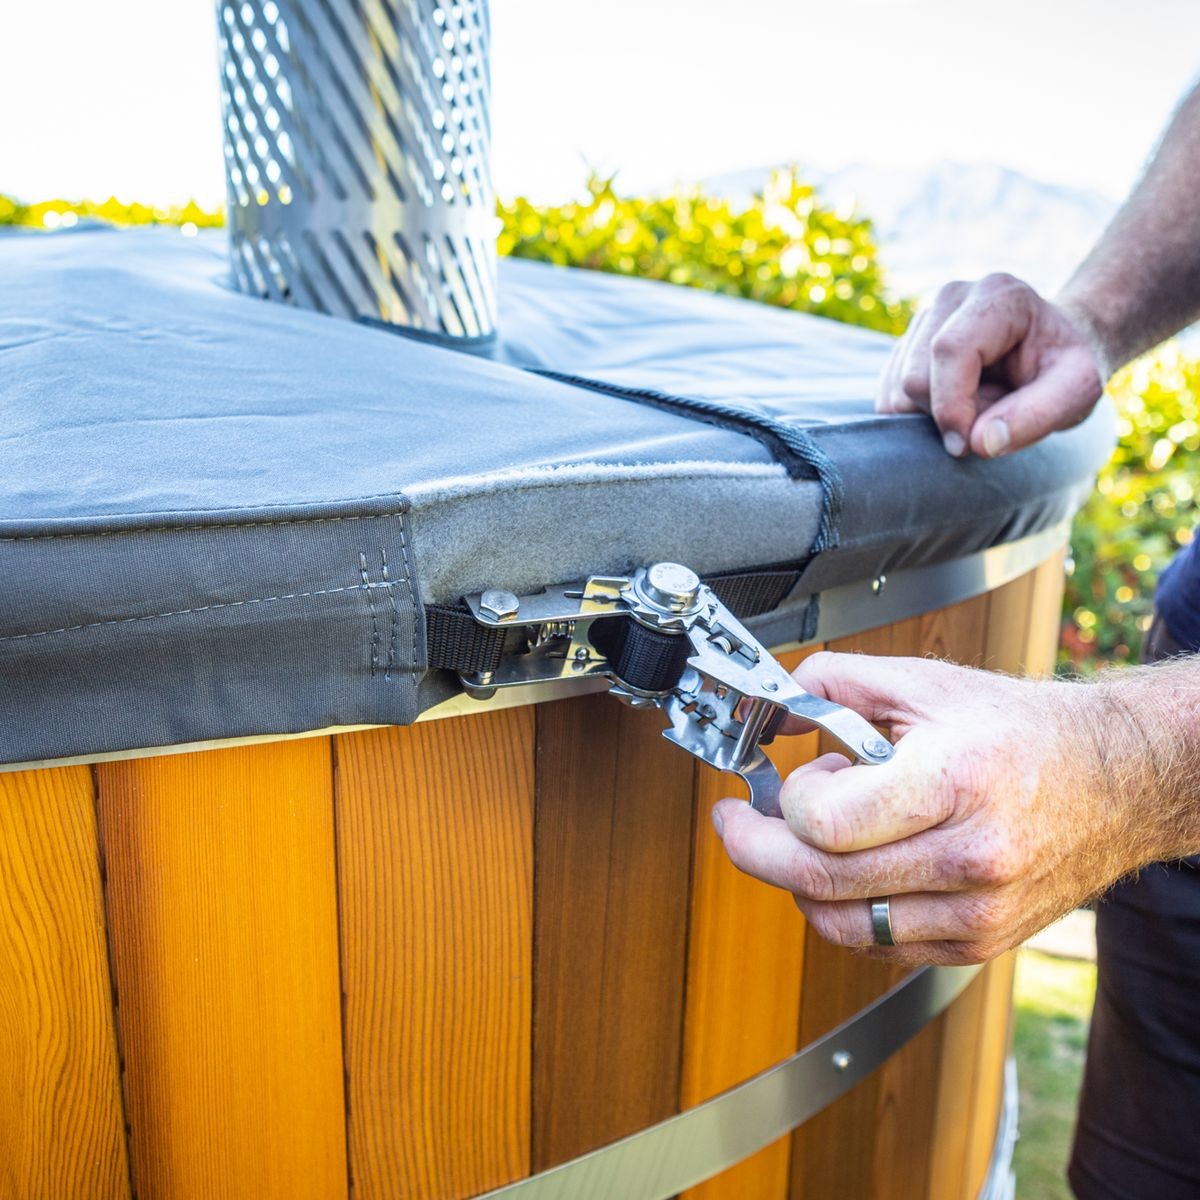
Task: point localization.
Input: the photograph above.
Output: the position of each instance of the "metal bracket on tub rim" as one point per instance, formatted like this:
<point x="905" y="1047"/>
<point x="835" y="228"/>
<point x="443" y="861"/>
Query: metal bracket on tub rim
<point x="687" y="1149"/>
<point x="662" y="639"/>
<point x="845" y="610"/>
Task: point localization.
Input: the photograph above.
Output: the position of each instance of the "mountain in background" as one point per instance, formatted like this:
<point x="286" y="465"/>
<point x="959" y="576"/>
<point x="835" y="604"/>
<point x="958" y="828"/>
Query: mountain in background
<point x="957" y="220"/>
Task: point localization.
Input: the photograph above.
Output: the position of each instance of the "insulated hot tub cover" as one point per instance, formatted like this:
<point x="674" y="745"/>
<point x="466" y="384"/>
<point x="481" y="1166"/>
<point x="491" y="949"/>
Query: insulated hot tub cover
<point x="221" y="517"/>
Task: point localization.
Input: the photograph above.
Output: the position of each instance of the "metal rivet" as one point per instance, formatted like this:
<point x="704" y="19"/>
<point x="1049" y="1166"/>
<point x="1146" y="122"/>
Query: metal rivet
<point x="769" y="685"/>
<point x="671" y="585"/>
<point x="877" y="748"/>
<point x="878" y="584"/>
<point x="499" y="604"/>
<point x="842" y="1060"/>
<point x="581" y="654"/>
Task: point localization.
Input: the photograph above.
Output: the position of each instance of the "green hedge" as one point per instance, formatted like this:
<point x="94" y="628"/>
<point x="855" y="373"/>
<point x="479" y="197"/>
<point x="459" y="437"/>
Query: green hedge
<point x="787" y="247"/>
<point x="1142" y="511"/>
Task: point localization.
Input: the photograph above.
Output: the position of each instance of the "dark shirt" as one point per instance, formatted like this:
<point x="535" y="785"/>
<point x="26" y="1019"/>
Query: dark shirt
<point x="1136" y="1132"/>
<point x="1178" y="596"/>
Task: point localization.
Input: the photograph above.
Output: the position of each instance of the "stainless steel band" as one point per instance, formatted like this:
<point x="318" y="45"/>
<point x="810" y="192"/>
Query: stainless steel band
<point x="684" y="1150"/>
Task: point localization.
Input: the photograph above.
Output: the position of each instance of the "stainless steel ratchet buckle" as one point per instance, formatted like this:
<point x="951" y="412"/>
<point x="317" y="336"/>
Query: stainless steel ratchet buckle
<point x="664" y="640"/>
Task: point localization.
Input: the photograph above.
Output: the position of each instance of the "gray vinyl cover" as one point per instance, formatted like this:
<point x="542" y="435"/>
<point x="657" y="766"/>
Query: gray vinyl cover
<point x="222" y="517"/>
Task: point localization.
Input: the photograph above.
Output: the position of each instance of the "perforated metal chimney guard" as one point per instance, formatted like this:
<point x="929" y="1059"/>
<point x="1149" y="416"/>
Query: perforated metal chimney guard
<point x="357" y="158"/>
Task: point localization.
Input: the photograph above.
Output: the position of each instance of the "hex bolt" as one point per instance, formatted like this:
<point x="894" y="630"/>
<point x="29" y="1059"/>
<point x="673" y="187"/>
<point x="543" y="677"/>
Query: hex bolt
<point x="877" y="748"/>
<point x="842" y="1059"/>
<point x="499" y="604"/>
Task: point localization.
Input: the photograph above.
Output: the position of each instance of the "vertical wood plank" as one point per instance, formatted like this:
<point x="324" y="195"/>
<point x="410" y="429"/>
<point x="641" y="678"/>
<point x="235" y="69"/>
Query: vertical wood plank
<point x="1025" y="620"/>
<point x="745" y="964"/>
<point x="994" y="1039"/>
<point x="956" y="1115"/>
<point x="222" y="908"/>
<point x="435" y="833"/>
<point x="875" y="1141"/>
<point x="612" y="844"/>
<point x="61" y="1124"/>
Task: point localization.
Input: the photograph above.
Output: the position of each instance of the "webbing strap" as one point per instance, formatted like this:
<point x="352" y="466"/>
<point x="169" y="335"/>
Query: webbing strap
<point x="790" y="446"/>
<point x="455" y="641"/>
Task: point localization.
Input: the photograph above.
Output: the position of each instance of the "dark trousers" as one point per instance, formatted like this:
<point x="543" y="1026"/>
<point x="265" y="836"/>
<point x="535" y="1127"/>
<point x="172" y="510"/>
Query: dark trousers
<point x="1138" y="1134"/>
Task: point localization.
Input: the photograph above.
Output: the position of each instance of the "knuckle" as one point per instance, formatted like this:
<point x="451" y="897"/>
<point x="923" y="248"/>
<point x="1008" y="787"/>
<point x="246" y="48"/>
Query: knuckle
<point x="823" y="827"/>
<point x="985" y="914"/>
<point x="832" y="924"/>
<point x="989" y="863"/>
<point x="1002" y="281"/>
<point x="948" y="343"/>
<point x="820" y="662"/>
<point x="813" y="879"/>
<point x="915" y="383"/>
<point x="955" y="290"/>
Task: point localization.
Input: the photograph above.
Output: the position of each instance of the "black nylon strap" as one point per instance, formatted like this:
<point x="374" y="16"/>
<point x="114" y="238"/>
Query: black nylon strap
<point x="751" y="593"/>
<point x="455" y="641"/>
<point x="646" y="659"/>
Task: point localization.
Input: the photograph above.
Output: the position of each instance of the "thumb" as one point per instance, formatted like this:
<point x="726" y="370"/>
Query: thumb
<point x="838" y="807"/>
<point x="1057" y="399"/>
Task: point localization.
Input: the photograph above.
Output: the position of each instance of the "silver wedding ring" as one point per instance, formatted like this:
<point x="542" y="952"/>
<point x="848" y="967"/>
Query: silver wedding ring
<point x="881" y="921"/>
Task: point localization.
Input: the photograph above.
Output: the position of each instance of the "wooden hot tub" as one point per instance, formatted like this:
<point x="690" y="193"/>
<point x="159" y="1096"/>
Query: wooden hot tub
<point x="284" y="914"/>
<point x="430" y="961"/>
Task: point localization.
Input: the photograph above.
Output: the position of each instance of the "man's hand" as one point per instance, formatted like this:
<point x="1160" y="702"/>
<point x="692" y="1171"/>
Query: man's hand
<point x="995" y="365"/>
<point x="1007" y="803"/>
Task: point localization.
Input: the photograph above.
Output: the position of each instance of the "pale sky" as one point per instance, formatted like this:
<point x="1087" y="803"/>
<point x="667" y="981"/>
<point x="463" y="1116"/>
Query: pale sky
<point x="122" y="97"/>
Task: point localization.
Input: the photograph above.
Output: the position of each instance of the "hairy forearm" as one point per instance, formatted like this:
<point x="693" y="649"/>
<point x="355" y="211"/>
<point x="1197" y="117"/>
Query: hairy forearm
<point x="1143" y="728"/>
<point x="1141" y="281"/>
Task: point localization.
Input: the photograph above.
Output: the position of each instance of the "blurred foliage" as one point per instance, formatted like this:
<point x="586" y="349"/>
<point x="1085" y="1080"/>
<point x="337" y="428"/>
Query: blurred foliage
<point x="786" y="247"/>
<point x="64" y="214"/>
<point x="783" y="247"/>
<point x="1142" y="511"/>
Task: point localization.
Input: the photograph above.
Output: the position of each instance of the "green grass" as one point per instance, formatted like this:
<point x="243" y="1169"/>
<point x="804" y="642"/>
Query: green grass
<point x="1053" y="1004"/>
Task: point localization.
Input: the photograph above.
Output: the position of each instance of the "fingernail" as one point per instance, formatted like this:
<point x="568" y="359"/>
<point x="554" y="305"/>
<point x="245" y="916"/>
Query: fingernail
<point x="954" y="444"/>
<point x="995" y="438"/>
<point x="718" y="824"/>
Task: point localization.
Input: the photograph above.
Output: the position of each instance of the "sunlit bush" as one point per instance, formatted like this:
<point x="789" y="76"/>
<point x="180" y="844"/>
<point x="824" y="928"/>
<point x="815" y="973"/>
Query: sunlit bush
<point x="59" y="214"/>
<point x="1142" y="511"/>
<point x="785" y="247"/>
